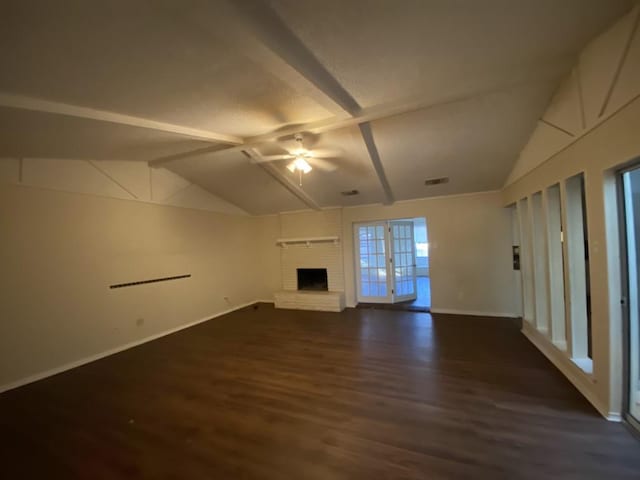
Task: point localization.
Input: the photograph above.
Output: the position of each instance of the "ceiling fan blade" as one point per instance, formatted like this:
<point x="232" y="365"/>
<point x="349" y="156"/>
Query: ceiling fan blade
<point x="323" y="164"/>
<point x="273" y="158"/>
<point x="325" y="153"/>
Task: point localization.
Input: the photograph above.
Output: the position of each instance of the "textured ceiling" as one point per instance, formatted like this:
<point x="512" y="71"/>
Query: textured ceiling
<point x="382" y="50"/>
<point x="450" y="87"/>
<point x="44" y="135"/>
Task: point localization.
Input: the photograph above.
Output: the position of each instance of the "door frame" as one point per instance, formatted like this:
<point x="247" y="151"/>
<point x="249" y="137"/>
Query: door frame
<point x="395" y="298"/>
<point x="390" y="274"/>
<point x="625" y="303"/>
<point x="359" y="299"/>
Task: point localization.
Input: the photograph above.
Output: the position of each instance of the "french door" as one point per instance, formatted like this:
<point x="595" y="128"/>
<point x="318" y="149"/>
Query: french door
<point x="631" y="194"/>
<point x="386" y="261"/>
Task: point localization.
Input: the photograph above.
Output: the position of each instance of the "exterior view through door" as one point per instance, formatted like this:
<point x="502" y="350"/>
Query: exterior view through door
<point x="386" y="262"/>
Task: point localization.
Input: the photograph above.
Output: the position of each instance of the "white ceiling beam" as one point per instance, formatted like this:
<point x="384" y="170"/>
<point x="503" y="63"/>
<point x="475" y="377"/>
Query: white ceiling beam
<point x="367" y="136"/>
<point x="21" y="102"/>
<point x="282" y="180"/>
<point x="270" y="29"/>
<point x="550" y="72"/>
<point x="162" y="161"/>
<point x="378" y="112"/>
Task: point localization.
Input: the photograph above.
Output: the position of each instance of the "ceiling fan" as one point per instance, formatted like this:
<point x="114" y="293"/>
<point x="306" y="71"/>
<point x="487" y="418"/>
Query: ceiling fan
<point x="303" y="160"/>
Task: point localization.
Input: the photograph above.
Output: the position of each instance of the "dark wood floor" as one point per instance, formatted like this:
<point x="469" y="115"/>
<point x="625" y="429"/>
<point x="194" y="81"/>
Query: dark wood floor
<point x="367" y="394"/>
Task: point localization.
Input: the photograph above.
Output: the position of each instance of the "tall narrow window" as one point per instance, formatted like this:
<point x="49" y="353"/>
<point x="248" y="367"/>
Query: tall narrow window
<point x="556" y="267"/>
<point x="577" y="276"/>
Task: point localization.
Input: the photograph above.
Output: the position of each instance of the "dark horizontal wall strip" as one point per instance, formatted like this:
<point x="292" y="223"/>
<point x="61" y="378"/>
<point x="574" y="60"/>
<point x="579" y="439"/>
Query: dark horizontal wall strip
<point x="153" y="280"/>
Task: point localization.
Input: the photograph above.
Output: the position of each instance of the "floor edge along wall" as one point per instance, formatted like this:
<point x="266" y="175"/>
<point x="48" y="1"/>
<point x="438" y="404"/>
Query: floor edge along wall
<point x="112" y="351"/>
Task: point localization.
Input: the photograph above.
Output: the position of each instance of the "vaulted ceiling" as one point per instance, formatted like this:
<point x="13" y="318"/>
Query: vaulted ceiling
<point x="402" y="90"/>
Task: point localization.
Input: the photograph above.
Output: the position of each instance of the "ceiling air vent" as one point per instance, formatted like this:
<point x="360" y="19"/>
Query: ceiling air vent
<point x="350" y="193"/>
<point x="436" y="181"/>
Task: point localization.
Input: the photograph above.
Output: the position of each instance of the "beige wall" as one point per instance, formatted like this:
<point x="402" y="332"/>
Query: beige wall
<point x="598" y="154"/>
<point x="61" y="251"/>
<point x="470" y="245"/>
<point x="604" y="90"/>
<point x="268" y="272"/>
<point x="469" y="248"/>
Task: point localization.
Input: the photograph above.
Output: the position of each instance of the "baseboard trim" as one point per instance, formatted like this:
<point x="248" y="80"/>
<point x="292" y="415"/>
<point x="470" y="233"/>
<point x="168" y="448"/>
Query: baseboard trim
<point x="614" y="417"/>
<point x="112" y="351"/>
<point x="473" y="313"/>
<point x="581" y="380"/>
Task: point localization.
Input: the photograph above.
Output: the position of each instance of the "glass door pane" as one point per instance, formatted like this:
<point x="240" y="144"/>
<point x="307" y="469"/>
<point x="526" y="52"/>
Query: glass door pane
<point x="631" y="186"/>
<point x="371" y="258"/>
<point x="403" y="249"/>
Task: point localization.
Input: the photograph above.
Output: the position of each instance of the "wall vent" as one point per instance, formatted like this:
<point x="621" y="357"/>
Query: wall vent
<point x="436" y="181"/>
<point x="349" y="193"/>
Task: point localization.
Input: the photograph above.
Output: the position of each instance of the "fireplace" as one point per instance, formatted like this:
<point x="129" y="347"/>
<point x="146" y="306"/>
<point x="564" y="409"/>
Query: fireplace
<point x="313" y="279"/>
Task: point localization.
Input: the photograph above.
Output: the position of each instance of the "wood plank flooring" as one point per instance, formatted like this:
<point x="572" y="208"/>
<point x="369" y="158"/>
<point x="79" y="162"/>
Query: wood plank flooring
<point x="273" y="394"/>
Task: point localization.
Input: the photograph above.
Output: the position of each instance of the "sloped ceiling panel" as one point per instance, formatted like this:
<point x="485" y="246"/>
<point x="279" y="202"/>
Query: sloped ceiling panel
<point x="165" y="184"/>
<point x="598" y="66"/>
<point x="608" y="73"/>
<point x="132" y="176"/>
<point x="196" y="197"/>
<point x="45" y="135"/>
<point x="628" y="85"/>
<point x="235" y="179"/>
<point x="544" y="142"/>
<point x="381" y="51"/>
<point x="474" y="142"/>
<point x="70" y="176"/>
<point x="169" y="61"/>
<point x="564" y="111"/>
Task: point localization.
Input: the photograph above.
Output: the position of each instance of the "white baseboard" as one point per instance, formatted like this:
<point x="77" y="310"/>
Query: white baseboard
<point x="106" y="353"/>
<point x="474" y="313"/>
<point x="581" y="380"/>
<point x="613" y="417"/>
<point x="271" y="300"/>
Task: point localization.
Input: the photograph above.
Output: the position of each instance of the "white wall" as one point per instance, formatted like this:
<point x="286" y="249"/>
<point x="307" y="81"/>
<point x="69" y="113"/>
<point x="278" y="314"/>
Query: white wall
<point x="469" y="241"/>
<point x="605" y="91"/>
<point x="326" y="223"/>
<point x="127" y="180"/>
<point x="469" y="251"/>
<point x="60" y="251"/>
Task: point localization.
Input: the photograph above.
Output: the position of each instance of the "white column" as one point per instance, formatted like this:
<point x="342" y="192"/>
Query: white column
<point x="526" y="260"/>
<point x="575" y="274"/>
<point x="540" y="263"/>
<point x="551" y="202"/>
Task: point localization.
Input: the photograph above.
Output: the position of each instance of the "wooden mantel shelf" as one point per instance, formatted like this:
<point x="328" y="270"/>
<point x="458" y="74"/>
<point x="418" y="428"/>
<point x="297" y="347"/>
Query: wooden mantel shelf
<point x="306" y="240"/>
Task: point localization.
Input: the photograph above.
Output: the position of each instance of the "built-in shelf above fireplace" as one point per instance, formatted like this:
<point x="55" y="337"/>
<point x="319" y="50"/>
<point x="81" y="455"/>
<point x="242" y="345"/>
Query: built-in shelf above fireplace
<point x="284" y="242"/>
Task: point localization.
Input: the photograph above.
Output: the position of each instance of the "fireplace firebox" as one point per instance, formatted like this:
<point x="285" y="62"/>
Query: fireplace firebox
<point x="313" y="279"/>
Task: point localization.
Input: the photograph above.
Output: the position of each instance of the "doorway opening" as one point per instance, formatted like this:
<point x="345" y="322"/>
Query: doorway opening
<point x="392" y="264"/>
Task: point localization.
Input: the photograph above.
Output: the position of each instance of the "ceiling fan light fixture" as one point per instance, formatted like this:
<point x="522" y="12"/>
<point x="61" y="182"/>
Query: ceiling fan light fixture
<point x="299" y="164"/>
